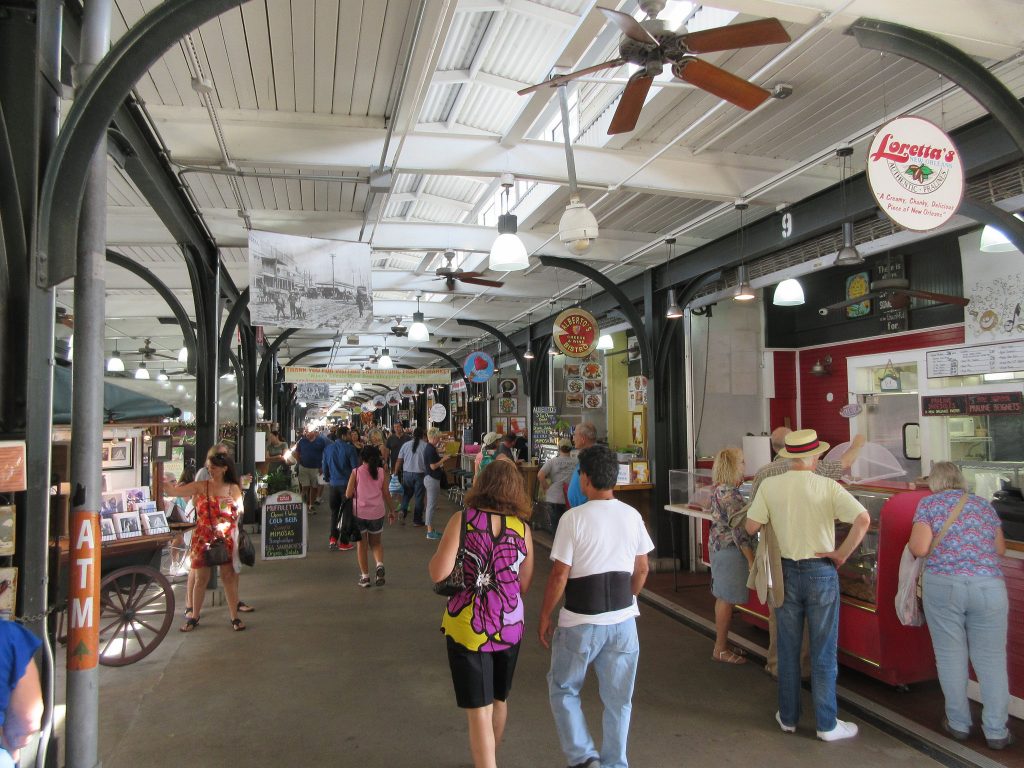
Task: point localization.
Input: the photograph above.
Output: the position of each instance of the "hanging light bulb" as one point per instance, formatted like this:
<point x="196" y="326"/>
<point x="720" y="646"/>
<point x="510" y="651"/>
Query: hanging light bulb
<point x="788" y="293"/>
<point x="385" y="359"/>
<point x="848" y="255"/>
<point x="605" y="342"/>
<point x="743" y="290"/>
<point x="528" y="354"/>
<point x="141" y="372"/>
<point x="418" y="330"/>
<point x="674" y="311"/>
<point x="115" y="364"/>
<point x="162" y="376"/>
<point x="183" y="355"/>
<point x="508" y="252"/>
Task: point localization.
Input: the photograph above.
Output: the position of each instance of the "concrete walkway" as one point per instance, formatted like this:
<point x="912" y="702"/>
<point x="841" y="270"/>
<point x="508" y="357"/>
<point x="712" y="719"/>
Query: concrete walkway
<point x="330" y="674"/>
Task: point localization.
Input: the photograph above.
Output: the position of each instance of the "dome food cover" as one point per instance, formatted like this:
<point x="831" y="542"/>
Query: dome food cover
<point x="875" y="462"/>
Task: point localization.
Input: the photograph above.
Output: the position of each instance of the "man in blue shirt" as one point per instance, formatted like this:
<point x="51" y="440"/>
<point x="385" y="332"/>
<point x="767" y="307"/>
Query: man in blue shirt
<point x="340" y="461"/>
<point x="583" y="437"/>
<point x="309" y="450"/>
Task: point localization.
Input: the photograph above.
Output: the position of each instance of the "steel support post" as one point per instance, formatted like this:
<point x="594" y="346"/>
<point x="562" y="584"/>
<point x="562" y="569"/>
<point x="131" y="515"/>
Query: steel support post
<point x="247" y="427"/>
<point x="206" y="293"/>
<point x="82" y="728"/>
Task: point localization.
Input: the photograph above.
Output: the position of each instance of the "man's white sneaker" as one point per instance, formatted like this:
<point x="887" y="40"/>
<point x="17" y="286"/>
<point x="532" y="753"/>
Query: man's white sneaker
<point x="785" y="728"/>
<point x="843" y="730"/>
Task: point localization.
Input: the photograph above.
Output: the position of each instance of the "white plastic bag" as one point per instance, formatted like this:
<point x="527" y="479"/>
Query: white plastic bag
<point x="909" y="610"/>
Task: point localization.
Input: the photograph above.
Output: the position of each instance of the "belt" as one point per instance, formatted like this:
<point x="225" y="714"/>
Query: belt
<point x="808" y="560"/>
<point x="599" y="593"/>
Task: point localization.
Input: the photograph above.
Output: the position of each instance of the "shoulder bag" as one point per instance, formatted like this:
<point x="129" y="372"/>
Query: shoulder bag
<point x="455" y="582"/>
<point x="909" y="608"/>
<point x="246" y="549"/>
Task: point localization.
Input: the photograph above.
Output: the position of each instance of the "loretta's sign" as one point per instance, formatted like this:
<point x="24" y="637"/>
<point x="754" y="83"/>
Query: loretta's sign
<point x="915" y="173"/>
<point x="575" y="332"/>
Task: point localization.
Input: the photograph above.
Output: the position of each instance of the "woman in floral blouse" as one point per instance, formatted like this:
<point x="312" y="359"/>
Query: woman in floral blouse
<point x="484" y="622"/>
<point x="731" y="549"/>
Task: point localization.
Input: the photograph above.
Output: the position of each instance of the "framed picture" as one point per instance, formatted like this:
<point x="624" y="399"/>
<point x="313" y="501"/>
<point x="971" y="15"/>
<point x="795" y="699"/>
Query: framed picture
<point x="133" y="497"/>
<point x="8" y="592"/>
<point x="6" y="530"/>
<point x="154" y="521"/>
<point x="111" y="503"/>
<point x="641" y="472"/>
<point x="639" y="432"/>
<point x="118" y="454"/>
<point x="127" y="525"/>
<point x="162" y="447"/>
<point x="624" y="475"/>
<point x="508" y="405"/>
<point x="508" y="387"/>
<point x="107" y="532"/>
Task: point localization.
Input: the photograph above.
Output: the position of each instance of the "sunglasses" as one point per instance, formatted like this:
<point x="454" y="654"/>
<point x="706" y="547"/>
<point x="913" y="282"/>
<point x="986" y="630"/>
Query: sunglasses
<point x="219" y="459"/>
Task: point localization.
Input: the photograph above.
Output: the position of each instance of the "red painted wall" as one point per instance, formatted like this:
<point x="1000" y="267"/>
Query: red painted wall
<point x="783" y="405"/>
<point x="829" y="424"/>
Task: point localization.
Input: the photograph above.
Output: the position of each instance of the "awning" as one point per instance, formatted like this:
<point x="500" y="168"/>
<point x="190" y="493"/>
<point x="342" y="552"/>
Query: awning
<point x="119" y="404"/>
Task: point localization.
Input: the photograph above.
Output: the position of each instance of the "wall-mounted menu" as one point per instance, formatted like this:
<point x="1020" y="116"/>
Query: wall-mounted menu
<point x="984" y="358"/>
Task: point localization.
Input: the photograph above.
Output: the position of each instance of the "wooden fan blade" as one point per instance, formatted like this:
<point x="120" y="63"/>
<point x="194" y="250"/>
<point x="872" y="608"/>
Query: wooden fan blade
<point x="481" y="281"/>
<point x="847" y="303"/>
<point x="747" y="35"/>
<point x="629" y="26"/>
<point x="462" y="275"/>
<point x="942" y="298"/>
<point x="632" y="101"/>
<point x="720" y="83"/>
<point x="560" y="79"/>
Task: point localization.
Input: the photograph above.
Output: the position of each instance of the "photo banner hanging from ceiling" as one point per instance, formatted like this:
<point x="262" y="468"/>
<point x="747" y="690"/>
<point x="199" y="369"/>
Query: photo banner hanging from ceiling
<point x="303" y="282"/>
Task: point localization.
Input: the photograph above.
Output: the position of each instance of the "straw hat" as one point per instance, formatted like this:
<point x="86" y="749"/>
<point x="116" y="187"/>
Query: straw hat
<point x="490" y="438"/>
<point x="803" y="444"/>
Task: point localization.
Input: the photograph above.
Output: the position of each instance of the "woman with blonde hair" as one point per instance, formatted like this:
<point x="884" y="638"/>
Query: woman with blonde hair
<point x="483" y="623"/>
<point x="434" y="463"/>
<point x="731" y="549"/>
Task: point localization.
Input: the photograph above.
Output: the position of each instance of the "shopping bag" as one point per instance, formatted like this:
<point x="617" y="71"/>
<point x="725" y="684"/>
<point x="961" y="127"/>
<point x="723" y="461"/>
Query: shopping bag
<point x="909" y="610"/>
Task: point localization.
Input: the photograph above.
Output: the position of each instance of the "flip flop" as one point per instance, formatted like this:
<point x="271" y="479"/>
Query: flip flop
<point x="245" y="607"/>
<point x="728" y="657"/>
<point x="189" y="625"/>
<point x="237" y="625"/>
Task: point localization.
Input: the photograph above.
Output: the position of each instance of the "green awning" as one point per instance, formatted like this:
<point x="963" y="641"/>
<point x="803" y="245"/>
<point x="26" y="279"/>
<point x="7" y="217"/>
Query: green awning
<point x="119" y="404"/>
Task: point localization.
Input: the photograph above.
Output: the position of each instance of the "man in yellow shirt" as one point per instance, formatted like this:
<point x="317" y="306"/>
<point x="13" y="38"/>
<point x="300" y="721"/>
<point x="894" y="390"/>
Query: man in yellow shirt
<point x="802" y="507"/>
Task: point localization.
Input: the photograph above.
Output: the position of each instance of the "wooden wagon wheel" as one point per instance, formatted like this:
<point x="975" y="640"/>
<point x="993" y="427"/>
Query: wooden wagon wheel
<point x="136" y="610"/>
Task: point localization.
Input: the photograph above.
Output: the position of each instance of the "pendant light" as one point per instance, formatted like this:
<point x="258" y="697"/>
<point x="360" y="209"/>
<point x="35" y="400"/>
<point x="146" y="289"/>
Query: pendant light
<point x="508" y="252"/>
<point x="605" y="342"/>
<point x="357" y="387"/>
<point x="743" y="291"/>
<point x="788" y="293"/>
<point x="674" y="311"/>
<point x="994" y="241"/>
<point x="162" y="376"/>
<point x="418" y="330"/>
<point x="528" y="354"/>
<point x="848" y="255"/>
<point x="115" y="364"/>
<point x="183" y="355"/>
<point x="141" y="372"/>
<point x="384" y="361"/>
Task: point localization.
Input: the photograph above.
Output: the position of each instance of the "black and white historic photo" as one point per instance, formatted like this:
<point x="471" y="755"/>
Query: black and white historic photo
<point x="304" y="282"/>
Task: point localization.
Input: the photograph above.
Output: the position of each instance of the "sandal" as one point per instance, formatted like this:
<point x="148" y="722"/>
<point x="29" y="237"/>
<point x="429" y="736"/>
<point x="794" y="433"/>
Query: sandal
<point x="189" y="625"/>
<point x="188" y="613"/>
<point x="728" y="657"/>
<point x="245" y="607"/>
<point x="237" y="625"/>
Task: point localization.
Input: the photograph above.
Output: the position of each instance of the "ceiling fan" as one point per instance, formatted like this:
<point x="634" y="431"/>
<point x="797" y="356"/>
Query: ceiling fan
<point x="400" y="329"/>
<point x="450" y="275"/>
<point x="148" y="352"/>
<point x="650" y="46"/>
<point x="898" y="293"/>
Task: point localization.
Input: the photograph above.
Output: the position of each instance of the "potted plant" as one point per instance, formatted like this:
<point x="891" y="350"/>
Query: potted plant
<point x="277" y="481"/>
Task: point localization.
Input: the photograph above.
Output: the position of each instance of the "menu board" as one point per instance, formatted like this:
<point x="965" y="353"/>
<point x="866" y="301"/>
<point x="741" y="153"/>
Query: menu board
<point x="544" y="418"/>
<point x="284" y="527"/>
<point x="891" y="319"/>
<point x="1007" y="356"/>
<point x="987" y="404"/>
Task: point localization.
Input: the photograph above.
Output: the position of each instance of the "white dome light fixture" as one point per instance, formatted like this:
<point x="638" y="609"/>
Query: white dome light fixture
<point x="577" y="229"/>
<point x="141" y="372"/>
<point x="357" y="387"/>
<point x="385" y="361"/>
<point x="605" y="342"/>
<point x="162" y="376"/>
<point x="418" y="330"/>
<point x="115" y="364"/>
<point x="183" y="355"/>
<point x="508" y="253"/>
<point x="788" y="293"/>
<point x="994" y="241"/>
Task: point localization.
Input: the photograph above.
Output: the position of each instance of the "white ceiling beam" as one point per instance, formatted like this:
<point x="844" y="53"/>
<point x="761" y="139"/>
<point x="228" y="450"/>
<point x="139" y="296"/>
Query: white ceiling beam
<point x="523" y="8"/>
<point x="465" y="76"/>
<point x="490" y="35"/>
<point x="426" y="197"/>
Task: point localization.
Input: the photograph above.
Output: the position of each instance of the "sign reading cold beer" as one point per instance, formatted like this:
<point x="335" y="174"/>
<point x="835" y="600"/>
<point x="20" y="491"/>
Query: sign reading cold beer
<point x="915" y="173"/>
<point x="575" y="332"/>
<point x="284" y="526"/>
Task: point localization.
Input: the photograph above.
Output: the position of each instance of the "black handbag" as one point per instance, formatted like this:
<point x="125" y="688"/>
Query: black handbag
<point x="246" y="549"/>
<point x="348" y="530"/>
<point x="455" y="582"/>
<point x="217" y="553"/>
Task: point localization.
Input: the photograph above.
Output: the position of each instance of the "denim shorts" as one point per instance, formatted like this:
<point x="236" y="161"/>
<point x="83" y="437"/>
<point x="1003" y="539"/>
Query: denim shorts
<point x="370" y="526"/>
<point x="729" y="572"/>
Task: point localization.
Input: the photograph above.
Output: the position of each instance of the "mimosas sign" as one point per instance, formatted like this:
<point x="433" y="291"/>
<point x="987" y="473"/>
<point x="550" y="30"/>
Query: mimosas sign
<point x="915" y="173"/>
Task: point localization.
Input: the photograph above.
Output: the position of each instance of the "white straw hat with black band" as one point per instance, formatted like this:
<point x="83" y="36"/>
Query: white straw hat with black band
<point x="803" y="444"/>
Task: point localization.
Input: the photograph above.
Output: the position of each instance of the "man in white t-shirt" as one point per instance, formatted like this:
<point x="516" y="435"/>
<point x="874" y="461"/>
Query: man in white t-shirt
<point x="599" y="562"/>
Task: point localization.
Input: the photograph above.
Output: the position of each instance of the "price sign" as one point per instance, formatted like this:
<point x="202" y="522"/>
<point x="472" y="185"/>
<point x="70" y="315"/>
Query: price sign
<point x="284" y="527"/>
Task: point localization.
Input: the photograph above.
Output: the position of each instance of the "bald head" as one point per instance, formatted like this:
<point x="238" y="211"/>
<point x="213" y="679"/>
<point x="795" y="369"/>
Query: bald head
<point x="779" y="438"/>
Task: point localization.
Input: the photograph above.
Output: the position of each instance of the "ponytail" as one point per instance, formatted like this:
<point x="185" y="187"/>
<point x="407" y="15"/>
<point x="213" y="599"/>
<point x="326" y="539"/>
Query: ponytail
<point x="417" y="435"/>
<point x="372" y="458"/>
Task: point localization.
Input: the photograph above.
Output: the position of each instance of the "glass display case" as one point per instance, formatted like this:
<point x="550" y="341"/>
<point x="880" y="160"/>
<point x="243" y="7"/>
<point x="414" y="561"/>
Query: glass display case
<point x="689" y="488"/>
<point x="858" y="576"/>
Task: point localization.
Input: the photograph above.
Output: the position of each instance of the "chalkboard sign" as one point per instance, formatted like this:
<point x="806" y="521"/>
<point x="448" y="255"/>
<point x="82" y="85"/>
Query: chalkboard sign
<point x="892" y="319"/>
<point x="284" y="527"/>
<point x="544" y="418"/>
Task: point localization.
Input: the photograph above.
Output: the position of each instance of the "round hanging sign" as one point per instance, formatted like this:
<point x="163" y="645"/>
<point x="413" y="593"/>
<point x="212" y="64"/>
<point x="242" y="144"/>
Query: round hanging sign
<point x="479" y="366"/>
<point x="575" y="332"/>
<point x="379" y="402"/>
<point x="916" y="173"/>
<point x="394" y="397"/>
<point x="437" y="413"/>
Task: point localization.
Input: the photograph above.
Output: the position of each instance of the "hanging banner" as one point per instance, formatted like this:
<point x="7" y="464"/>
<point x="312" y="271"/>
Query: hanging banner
<point x="394" y="398"/>
<point x="479" y="367"/>
<point x="915" y="173"/>
<point x="393" y="376"/>
<point x="575" y="332"/>
<point x="303" y="282"/>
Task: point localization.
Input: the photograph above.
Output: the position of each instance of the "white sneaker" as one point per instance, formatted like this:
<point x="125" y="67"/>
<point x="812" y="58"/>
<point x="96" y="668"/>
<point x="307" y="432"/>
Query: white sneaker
<point x="843" y="730"/>
<point x="785" y="728"/>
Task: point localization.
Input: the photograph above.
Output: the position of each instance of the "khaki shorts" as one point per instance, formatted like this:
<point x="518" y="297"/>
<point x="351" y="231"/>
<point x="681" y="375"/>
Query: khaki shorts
<point x="308" y="476"/>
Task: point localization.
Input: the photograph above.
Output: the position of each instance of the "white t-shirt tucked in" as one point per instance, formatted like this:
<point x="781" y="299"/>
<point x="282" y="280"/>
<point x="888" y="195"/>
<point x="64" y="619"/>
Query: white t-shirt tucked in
<point x="602" y="536"/>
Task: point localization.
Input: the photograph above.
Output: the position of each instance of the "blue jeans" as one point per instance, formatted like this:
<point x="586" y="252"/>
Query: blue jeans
<point x="967" y="616"/>
<point x="613" y="649"/>
<point x="413" y="491"/>
<point x="432" y="487"/>
<point x="812" y="593"/>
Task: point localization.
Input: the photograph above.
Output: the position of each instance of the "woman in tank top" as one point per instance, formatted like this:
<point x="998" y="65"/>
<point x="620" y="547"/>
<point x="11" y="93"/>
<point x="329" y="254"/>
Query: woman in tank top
<point x="484" y="622"/>
<point x="368" y="488"/>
